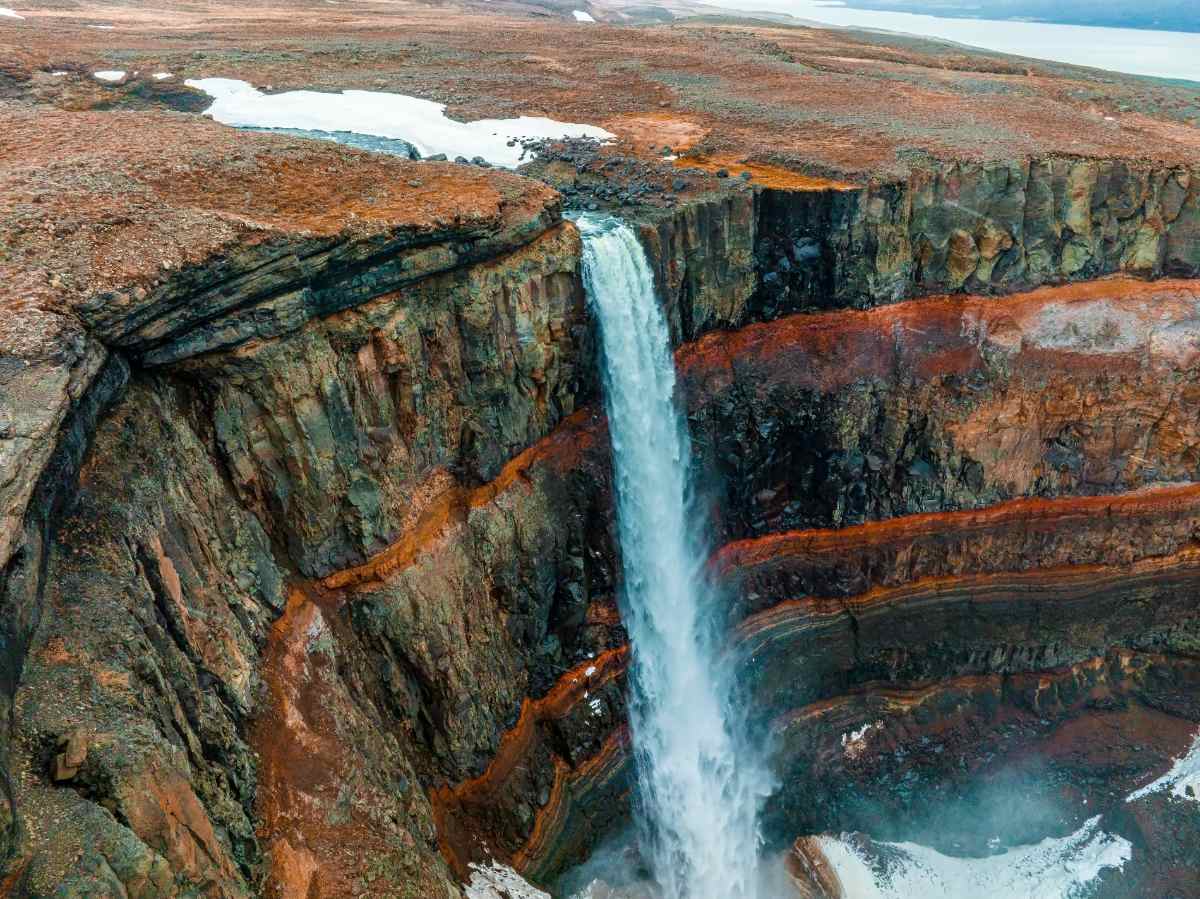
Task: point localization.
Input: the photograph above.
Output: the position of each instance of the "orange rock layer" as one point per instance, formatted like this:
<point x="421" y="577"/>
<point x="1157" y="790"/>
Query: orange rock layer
<point x="561" y="449"/>
<point x="1030" y="533"/>
<point x="460" y="809"/>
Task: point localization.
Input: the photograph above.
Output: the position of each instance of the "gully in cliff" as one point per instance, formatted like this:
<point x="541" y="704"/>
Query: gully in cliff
<point x="699" y="787"/>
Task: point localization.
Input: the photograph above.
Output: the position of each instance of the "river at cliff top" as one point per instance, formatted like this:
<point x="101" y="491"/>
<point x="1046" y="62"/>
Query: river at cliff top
<point x="421" y="123"/>
<point x="1134" y="51"/>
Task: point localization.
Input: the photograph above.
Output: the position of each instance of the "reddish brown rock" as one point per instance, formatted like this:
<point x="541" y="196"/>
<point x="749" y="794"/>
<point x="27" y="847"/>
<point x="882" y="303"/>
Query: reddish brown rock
<point x="945" y="403"/>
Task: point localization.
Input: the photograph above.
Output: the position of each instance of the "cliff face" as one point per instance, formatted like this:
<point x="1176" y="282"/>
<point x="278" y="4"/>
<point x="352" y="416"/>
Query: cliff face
<point x="997" y="545"/>
<point x="308" y="559"/>
<point x="980" y="227"/>
<point x="197" y="443"/>
<point x="743" y="256"/>
<point x="340" y="434"/>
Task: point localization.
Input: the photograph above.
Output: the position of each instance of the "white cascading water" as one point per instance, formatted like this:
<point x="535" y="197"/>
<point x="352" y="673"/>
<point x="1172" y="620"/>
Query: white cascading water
<point x="700" y="787"/>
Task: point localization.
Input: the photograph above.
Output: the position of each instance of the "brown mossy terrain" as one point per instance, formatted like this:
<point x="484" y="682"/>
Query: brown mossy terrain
<point x="308" y="567"/>
<point x="843" y="102"/>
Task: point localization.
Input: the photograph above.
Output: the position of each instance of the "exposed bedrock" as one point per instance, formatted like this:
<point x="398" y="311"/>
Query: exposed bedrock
<point x="729" y="257"/>
<point x="1000" y="621"/>
<point x="192" y="710"/>
<point x="338" y="436"/>
<point x="981" y="227"/>
<point x="937" y="404"/>
<point x="703" y="257"/>
<point x="1012" y="625"/>
<point x="1050" y="552"/>
<point x="130" y="764"/>
<point x="494" y="628"/>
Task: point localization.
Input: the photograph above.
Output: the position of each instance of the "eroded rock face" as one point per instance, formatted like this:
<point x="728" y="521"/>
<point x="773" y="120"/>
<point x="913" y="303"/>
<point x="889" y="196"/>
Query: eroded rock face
<point x="339" y="435"/>
<point x="1075" y="574"/>
<point x="337" y="581"/>
<point x="728" y="257"/>
<point x="945" y="403"/>
<point x="905" y="656"/>
<point x="157" y="593"/>
<point x="980" y="227"/>
<point x="190" y="713"/>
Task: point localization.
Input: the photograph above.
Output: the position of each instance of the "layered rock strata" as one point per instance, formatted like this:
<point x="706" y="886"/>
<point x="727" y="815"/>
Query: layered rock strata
<point x="308" y="559"/>
<point x="1034" y="599"/>
<point x="295" y="376"/>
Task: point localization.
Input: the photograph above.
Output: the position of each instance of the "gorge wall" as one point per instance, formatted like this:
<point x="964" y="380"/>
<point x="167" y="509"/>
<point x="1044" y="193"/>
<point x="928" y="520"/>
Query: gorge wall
<point x="309" y="580"/>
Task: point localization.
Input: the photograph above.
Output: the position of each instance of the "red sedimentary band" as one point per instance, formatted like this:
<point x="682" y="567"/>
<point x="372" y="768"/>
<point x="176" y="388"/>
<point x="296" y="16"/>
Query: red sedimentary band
<point x="1035" y="513"/>
<point x="1079" y="580"/>
<point x="450" y="802"/>
<point x="550" y="820"/>
<point x="561" y="449"/>
<point x="932" y="336"/>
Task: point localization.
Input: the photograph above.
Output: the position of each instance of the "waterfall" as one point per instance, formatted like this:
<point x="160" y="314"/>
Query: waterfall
<point x="699" y="786"/>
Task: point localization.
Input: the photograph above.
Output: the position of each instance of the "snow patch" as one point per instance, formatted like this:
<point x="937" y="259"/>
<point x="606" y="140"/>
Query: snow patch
<point x="495" y="881"/>
<point x="1055" y="868"/>
<point x="109" y="75"/>
<point x="102" y="27"/>
<point x="162" y="76"/>
<point x="581" y="16"/>
<point x="7" y="13"/>
<point x="1183" y="779"/>
<point x="59" y="73"/>
<point x="855" y="742"/>
<point x="590" y="671"/>
<point x="421" y="123"/>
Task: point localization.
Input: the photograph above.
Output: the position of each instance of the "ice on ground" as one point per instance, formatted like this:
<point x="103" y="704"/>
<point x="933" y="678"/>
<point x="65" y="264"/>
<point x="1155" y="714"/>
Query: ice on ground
<point x="421" y="123"/>
<point x="9" y="13"/>
<point x="495" y="881"/>
<point x="854" y="743"/>
<point x="1055" y="868"/>
<point x="1183" y="779"/>
<point x="162" y="76"/>
<point x="581" y="16"/>
<point x="109" y="74"/>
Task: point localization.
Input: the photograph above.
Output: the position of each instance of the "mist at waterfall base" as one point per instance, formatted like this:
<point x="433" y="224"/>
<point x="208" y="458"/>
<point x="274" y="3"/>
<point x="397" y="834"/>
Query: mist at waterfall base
<point x="700" y="784"/>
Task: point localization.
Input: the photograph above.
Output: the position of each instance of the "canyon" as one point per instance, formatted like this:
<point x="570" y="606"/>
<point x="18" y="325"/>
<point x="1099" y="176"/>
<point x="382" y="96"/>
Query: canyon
<point x="310" y="557"/>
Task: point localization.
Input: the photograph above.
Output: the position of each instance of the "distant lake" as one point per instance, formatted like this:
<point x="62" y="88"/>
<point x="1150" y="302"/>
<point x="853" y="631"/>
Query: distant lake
<point x="1163" y="54"/>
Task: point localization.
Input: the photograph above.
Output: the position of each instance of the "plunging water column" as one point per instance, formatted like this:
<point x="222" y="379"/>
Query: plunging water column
<point x="699" y="788"/>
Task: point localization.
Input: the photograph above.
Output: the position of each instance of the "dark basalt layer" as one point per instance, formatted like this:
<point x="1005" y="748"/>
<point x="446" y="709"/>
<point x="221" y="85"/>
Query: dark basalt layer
<point x="994" y="227"/>
<point x="937" y="404"/>
<point x="729" y="256"/>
